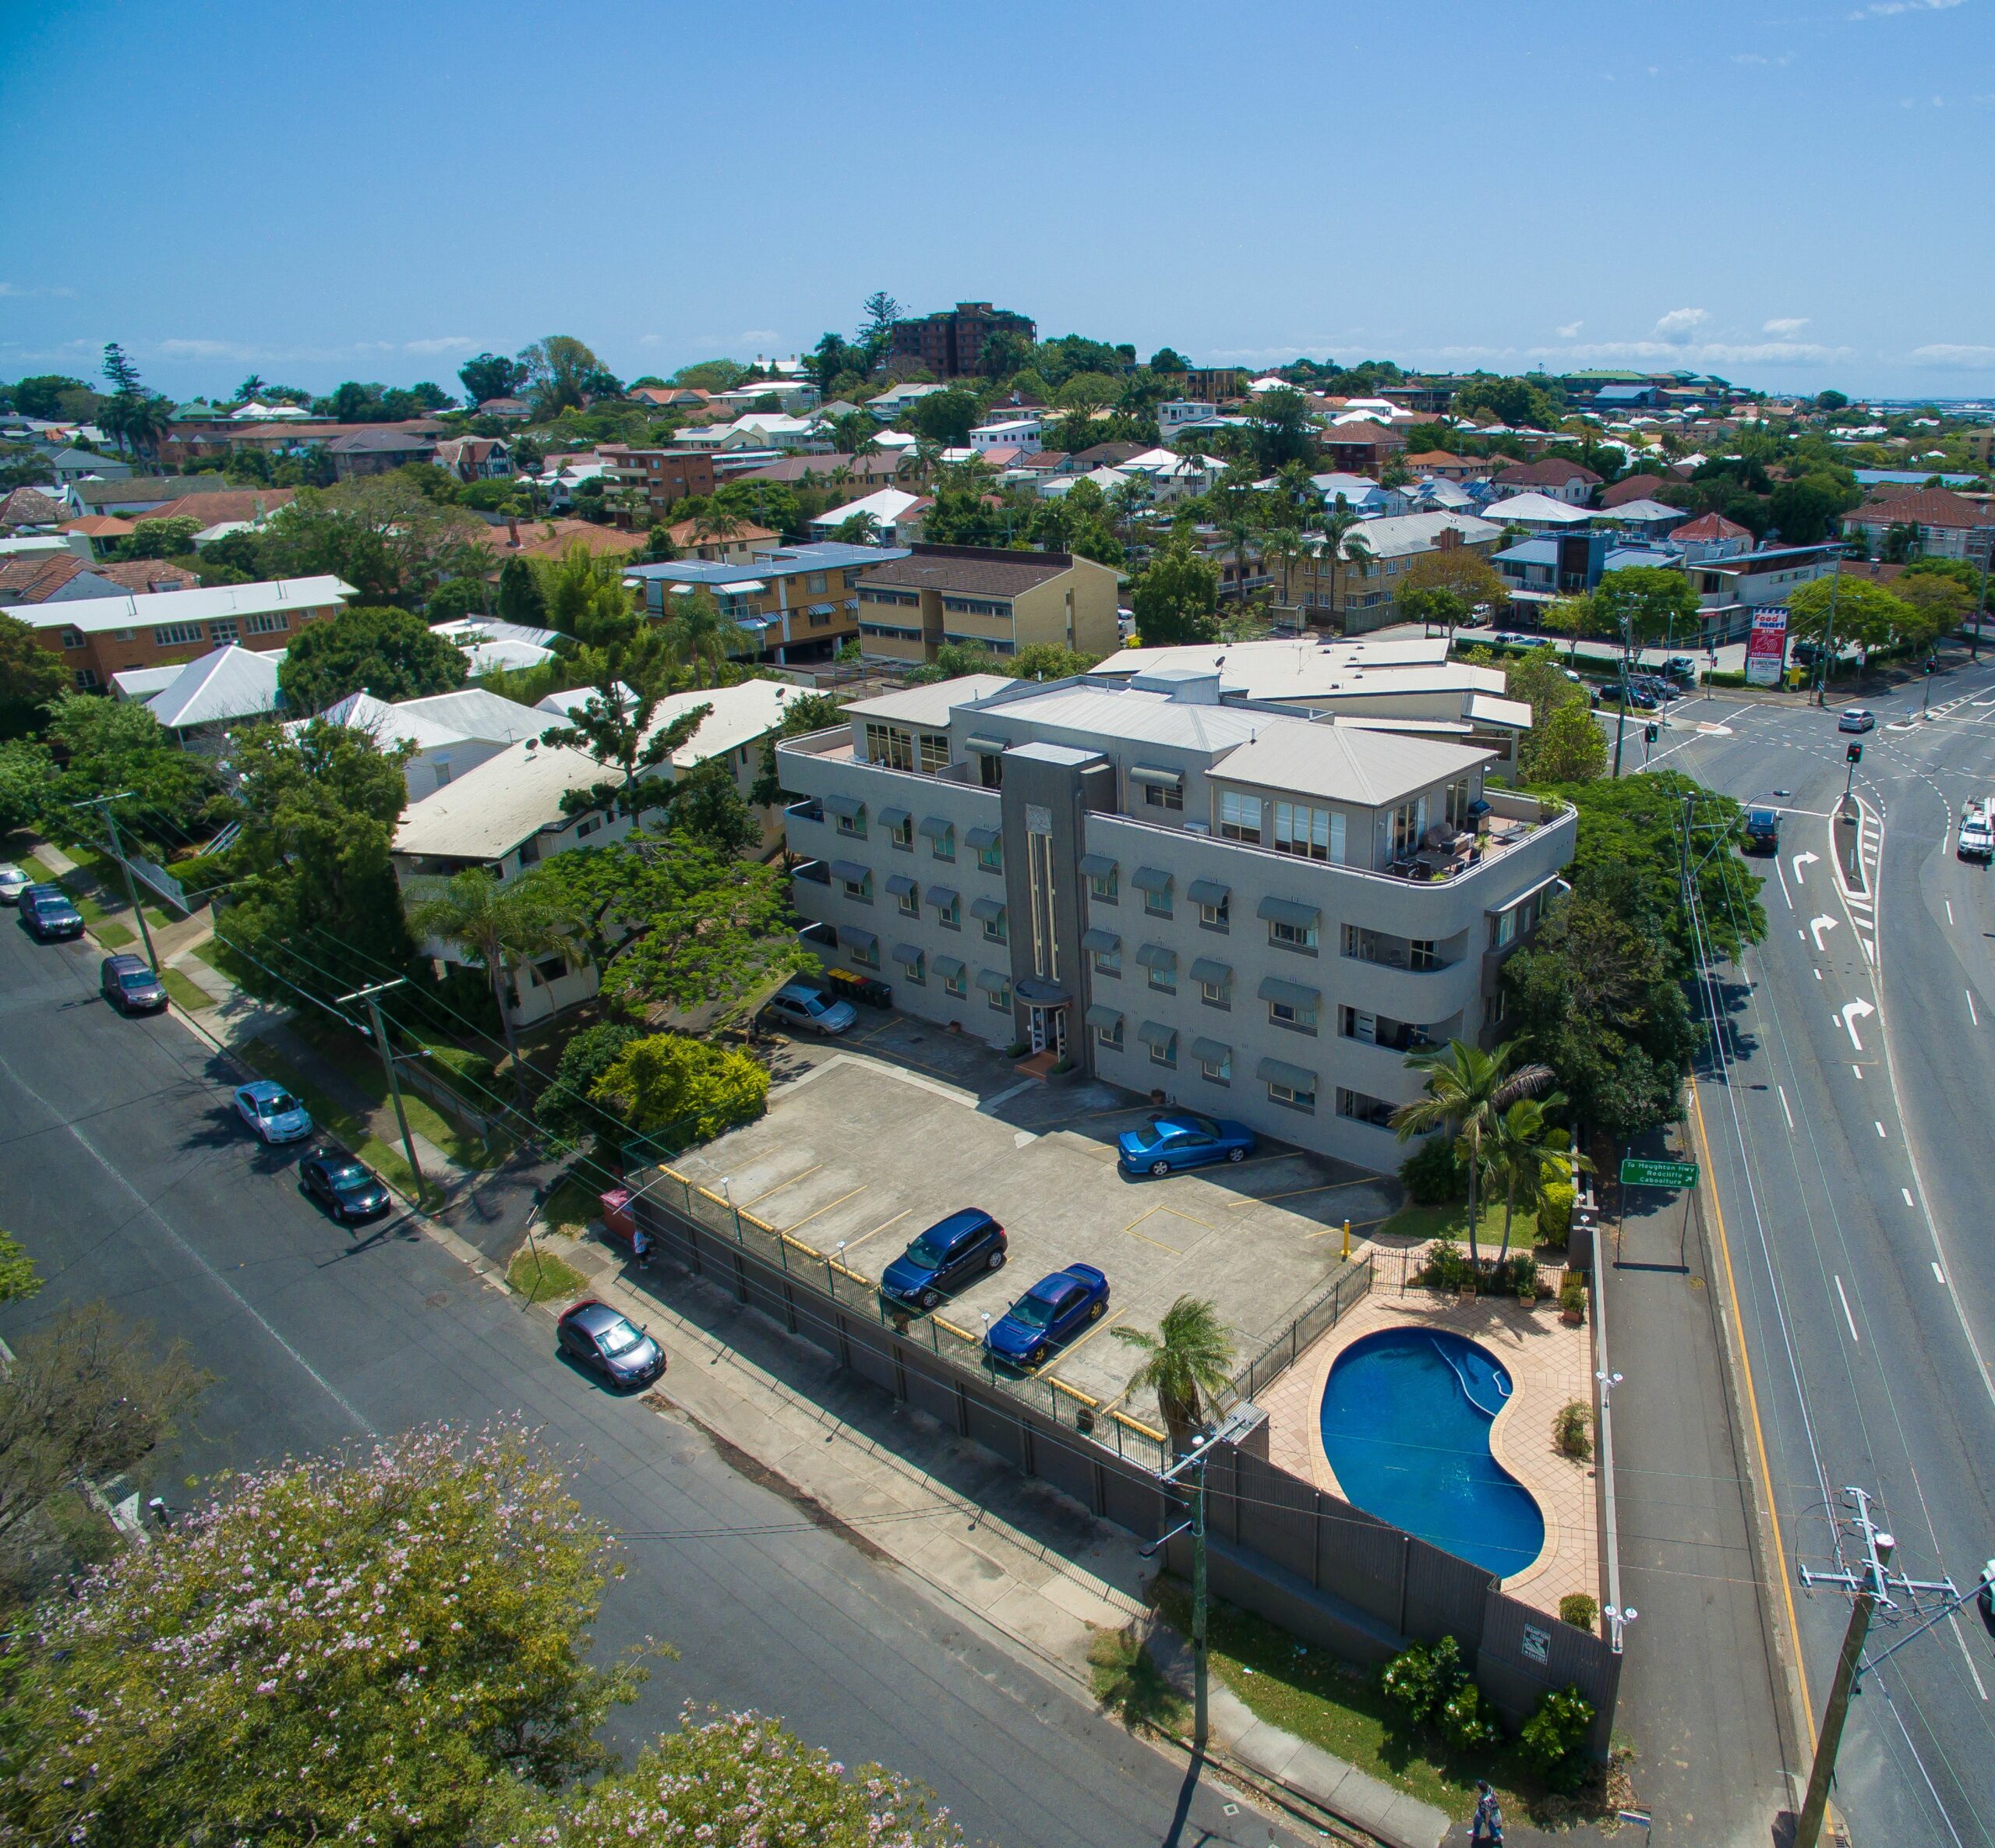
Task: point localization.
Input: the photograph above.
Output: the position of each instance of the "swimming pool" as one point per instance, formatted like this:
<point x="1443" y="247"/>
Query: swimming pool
<point x="1406" y="1421"/>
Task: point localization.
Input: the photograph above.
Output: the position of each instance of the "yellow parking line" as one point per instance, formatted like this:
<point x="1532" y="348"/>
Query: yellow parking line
<point x="1067" y="1352"/>
<point x="1261" y="1199"/>
<point x="852" y="1244"/>
<point x="781" y="1184"/>
<point x="826" y="1208"/>
<point x="1336" y="1231"/>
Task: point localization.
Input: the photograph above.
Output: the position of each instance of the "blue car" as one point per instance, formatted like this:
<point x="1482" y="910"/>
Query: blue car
<point x="272" y="1111"/>
<point x="948" y="1255"/>
<point x="1183" y="1139"/>
<point x="1052" y="1310"/>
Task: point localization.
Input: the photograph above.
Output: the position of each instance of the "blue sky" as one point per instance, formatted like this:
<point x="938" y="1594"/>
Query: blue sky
<point x="1792" y="194"/>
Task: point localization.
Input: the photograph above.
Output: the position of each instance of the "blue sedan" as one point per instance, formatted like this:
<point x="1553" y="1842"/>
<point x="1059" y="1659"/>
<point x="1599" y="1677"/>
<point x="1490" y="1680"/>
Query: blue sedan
<point x="1183" y="1139"/>
<point x="272" y="1111"/>
<point x="1052" y="1310"/>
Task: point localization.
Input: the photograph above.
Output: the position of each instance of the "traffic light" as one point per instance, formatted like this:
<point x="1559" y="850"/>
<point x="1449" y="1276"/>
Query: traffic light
<point x="1652" y="733"/>
<point x="1854" y="753"/>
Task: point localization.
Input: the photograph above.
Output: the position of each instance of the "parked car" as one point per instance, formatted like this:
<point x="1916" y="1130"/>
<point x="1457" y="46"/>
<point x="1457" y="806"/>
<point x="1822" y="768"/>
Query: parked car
<point x="128" y="983"/>
<point x="347" y="1190"/>
<point x="1855" y="718"/>
<point x="1763" y="831"/>
<point x="272" y="1111"/>
<point x="610" y="1344"/>
<point x="806" y="1011"/>
<point x="1183" y="1139"/>
<point x="1975" y="839"/>
<point x="1052" y="1311"/>
<point x="946" y="1256"/>
<point x="13" y="882"/>
<point x="1681" y="668"/>
<point x="50" y="914"/>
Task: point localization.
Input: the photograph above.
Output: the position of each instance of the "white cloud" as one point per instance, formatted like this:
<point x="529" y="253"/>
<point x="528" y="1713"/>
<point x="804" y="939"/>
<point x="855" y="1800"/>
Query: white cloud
<point x="441" y="343"/>
<point x="1680" y="324"/>
<point x="1885" y="9"/>
<point x="1663" y="354"/>
<point x="1760" y="57"/>
<point x="748" y="336"/>
<point x="1570" y="330"/>
<point x="1943" y="353"/>
<point x="1784" y="328"/>
<point x="210" y="349"/>
<point x="20" y="293"/>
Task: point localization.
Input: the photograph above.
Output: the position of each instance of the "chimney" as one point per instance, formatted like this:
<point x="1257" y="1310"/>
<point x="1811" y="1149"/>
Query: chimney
<point x="512" y="529"/>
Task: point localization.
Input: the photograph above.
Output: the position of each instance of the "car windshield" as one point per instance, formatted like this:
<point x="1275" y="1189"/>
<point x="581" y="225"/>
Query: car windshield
<point x="350" y="1177"/>
<point x="1034" y="1311"/>
<point x="927" y="1249"/>
<point x="618" y="1337"/>
<point x="282" y="1104"/>
<point x="136" y="978"/>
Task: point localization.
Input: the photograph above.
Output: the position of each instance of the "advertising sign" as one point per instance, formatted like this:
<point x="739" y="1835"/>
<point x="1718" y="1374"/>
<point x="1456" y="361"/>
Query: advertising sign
<point x="1766" y="648"/>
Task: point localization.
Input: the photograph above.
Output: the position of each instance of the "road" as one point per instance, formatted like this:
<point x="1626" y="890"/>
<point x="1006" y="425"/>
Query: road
<point x="124" y="1170"/>
<point x="1843" y="1107"/>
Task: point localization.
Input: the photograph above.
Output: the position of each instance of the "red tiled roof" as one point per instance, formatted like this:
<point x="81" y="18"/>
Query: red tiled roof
<point x="1539" y="474"/>
<point x="35" y="580"/>
<point x="232" y="503"/>
<point x="1923" y="507"/>
<point x="1631" y="487"/>
<point x="1711" y="526"/>
<point x="100" y="526"/>
<point x="551" y="538"/>
<point x="683" y="534"/>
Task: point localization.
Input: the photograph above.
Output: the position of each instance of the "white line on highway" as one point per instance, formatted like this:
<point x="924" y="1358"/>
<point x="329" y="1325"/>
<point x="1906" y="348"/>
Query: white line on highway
<point x="1954" y="1625"/>
<point x="1818" y="975"/>
<point x="1879" y="1128"/>
<point x="1784" y="1110"/>
<point x="1846" y="1315"/>
<point x="1906" y="1192"/>
<point x="1858" y="1071"/>
<point x="1949" y="904"/>
<point x="1784" y="892"/>
<point x="1970" y="1014"/>
<point x="1939" y="1276"/>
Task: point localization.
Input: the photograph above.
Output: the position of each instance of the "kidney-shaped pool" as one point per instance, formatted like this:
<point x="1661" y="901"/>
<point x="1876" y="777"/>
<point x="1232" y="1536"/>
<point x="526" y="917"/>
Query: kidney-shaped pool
<point x="1406" y="1421"/>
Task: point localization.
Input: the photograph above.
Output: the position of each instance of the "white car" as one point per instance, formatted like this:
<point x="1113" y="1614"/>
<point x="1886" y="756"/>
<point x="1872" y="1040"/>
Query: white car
<point x="1976" y="838"/>
<point x="13" y="882"/>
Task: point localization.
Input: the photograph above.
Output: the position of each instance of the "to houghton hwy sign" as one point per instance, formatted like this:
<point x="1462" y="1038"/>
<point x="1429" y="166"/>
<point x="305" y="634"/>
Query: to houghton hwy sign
<point x="1658" y="1174"/>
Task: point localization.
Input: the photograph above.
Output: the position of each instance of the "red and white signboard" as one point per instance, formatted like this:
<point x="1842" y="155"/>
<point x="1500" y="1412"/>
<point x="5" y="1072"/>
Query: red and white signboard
<point x="1766" y="648"/>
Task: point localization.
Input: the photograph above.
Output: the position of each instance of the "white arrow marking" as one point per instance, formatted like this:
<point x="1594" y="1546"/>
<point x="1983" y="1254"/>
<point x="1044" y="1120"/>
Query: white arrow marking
<point x="1852" y="1012"/>
<point x="1818" y="925"/>
<point x="1798" y="861"/>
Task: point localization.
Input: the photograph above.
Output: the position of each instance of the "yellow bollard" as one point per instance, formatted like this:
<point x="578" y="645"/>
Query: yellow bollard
<point x="1347" y="1242"/>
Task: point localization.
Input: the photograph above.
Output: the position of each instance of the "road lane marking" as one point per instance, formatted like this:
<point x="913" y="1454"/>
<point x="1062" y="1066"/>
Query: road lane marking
<point x="1858" y="1071"/>
<point x="1879" y="1129"/>
<point x="1818" y="975"/>
<point x="1818" y="925"/>
<point x="1939" y="1276"/>
<point x="1852" y="1012"/>
<point x="1784" y="1110"/>
<point x="1906" y="1192"/>
<point x="1949" y="903"/>
<point x="1846" y="1315"/>
<point x="1970" y="1014"/>
<point x="1784" y="892"/>
<point x="1798" y="861"/>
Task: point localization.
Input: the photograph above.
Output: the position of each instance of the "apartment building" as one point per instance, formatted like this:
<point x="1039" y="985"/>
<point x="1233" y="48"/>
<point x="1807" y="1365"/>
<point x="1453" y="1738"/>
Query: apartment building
<point x="951" y="342"/>
<point x="1944" y="524"/>
<point x="1356" y="588"/>
<point x="98" y="637"/>
<point x="795" y="603"/>
<point x="1221" y="903"/>
<point x="664" y="476"/>
<point x="986" y="597"/>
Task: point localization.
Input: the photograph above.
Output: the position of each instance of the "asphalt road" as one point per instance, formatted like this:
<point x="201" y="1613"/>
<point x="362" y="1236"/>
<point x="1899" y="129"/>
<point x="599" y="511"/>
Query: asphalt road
<point x="125" y="1171"/>
<point x="1844" y="1108"/>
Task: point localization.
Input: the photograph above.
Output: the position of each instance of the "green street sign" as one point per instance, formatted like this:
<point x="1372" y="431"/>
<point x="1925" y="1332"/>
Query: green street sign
<point x="1658" y="1174"/>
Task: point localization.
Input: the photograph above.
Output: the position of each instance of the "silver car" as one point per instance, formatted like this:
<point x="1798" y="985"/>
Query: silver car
<point x="13" y="882"/>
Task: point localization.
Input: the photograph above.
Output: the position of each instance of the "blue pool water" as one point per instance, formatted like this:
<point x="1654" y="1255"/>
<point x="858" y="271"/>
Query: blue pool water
<point x="1406" y="1415"/>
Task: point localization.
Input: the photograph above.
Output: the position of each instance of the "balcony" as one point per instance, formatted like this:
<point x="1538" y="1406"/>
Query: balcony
<point x="817" y="871"/>
<point x="1509" y="820"/>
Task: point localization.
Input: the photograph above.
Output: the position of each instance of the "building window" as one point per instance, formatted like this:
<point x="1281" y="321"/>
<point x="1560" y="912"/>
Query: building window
<point x="1421" y="954"/>
<point x="1166" y="795"/>
<point x="1292" y="936"/>
<point x="950" y="917"/>
<point x="1239" y="816"/>
<point x="1218" y="917"/>
<point x="992" y="858"/>
<point x="1110" y="1036"/>
<point x="853" y="825"/>
<point x="73" y="638"/>
<point x="219" y="633"/>
<point x="861" y="889"/>
<point x="911" y="902"/>
<point x="957" y="984"/>
<point x="1216" y="1071"/>
<point x="86" y="679"/>
<point x="1409" y="824"/>
<point x="272" y="623"/>
<point x="886" y="745"/>
<point x="1164" y="1051"/>
<point x="1108" y="962"/>
<point x="934" y="751"/>
<point x="1308" y="831"/>
<point x="1156" y="902"/>
<point x="916" y="972"/>
<point x="1163" y="978"/>
<point x="993" y="928"/>
<point x="1292" y="1096"/>
<point x="1362" y="1109"/>
<point x="1492" y="1009"/>
<point x="1102" y="887"/>
<point x="1214" y="995"/>
<point x="901" y="834"/>
<point x="866" y="955"/>
<point x="1001" y="999"/>
<point x="1296" y="1016"/>
<point x="943" y="843"/>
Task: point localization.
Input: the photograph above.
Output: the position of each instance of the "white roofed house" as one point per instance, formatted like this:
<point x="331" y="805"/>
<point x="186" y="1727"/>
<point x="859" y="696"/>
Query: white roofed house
<point x="453" y="733"/>
<point x="197" y="700"/>
<point x="896" y="514"/>
<point x="505" y="814"/>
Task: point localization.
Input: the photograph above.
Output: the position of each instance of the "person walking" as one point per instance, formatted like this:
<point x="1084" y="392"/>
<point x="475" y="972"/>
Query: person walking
<point x="1488" y="1825"/>
<point x="640" y="1248"/>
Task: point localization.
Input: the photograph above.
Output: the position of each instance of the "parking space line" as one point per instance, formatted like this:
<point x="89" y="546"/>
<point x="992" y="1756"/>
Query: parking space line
<point x="1074" y="1347"/>
<point x="1357" y="1225"/>
<point x="1262" y="1200"/>
<point x="781" y="1184"/>
<point x="826" y="1207"/>
<point x="853" y="1244"/>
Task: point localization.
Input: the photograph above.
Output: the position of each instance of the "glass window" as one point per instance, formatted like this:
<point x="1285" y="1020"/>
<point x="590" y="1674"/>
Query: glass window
<point x="957" y="984"/>
<point x="1217" y="917"/>
<point x="854" y="825"/>
<point x="1420" y="953"/>
<point x="1000" y="1003"/>
<point x="1164" y="981"/>
<point x="992" y="858"/>
<point x="1292" y="1096"/>
<point x="902" y="834"/>
<point x="1104" y="888"/>
<point x="888" y="745"/>
<point x="861" y="889"/>
<point x="911" y="902"/>
<point x="1218" y="1071"/>
<point x="944" y="844"/>
<point x="1296" y="1018"/>
<point x="1239" y="816"/>
<point x="994" y="929"/>
<point x="1310" y="833"/>
<point x="1166" y="1053"/>
<point x="1289" y="936"/>
<point x="950" y="917"/>
<point x="1110" y="1036"/>
<point x="1213" y="994"/>
<point x="917" y="971"/>
<point x="1157" y="903"/>
<point x="1108" y="962"/>
<point x="934" y="751"/>
<point x="867" y="956"/>
<point x="1163" y="796"/>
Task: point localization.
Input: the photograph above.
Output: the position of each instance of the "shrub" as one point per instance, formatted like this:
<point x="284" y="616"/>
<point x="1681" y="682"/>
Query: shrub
<point x="1555" y="1213"/>
<point x="673" y="1091"/>
<point x="1420" y="1681"/>
<point x="1570" y="1432"/>
<point x="1578" y="1610"/>
<point x="1554" y="1738"/>
<point x="1446" y="1268"/>
<point x="565" y="1110"/>
<point x="1466" y="1721"/>
<point x="1433" y="1174"/>
<point x="1572" y="1294"/>
<point x="1518" y="1273"/>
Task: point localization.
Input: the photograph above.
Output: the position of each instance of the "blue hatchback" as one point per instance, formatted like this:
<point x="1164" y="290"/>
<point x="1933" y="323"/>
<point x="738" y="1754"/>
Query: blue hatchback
<point x="1054" y="1309"/>
<point x="1183" y="1139"/>
<point x="949" y="1254"/>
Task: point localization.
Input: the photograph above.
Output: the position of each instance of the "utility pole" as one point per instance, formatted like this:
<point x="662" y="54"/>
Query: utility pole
<point x="1829" y="637"/>
<point x="103" y="803"/>
<point x="1194" y="1460"/>
<point x="1872" y="1586"/>
<point x="1621" y="723"/>
<point x="369" y="995"/>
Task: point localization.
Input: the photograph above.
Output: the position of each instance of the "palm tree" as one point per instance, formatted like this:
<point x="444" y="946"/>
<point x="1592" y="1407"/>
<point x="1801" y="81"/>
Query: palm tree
<point x="705" y="637"/>
<point x="858" y="529"/>
<point x="1530" y="1155"/>
<point x="1283" y="543"/>
<point x="1467" y="1089"/>
<point x="1187" y="1364"/>
<point x="501" y="925"/>
<point x="928" y="453"/>
<point x="1342" y="540"/>
<point x="251" y="387"/>
<point x="716" y="523"/>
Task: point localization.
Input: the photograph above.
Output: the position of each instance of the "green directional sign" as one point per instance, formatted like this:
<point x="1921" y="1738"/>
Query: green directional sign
<point x="1658" y="1174"/>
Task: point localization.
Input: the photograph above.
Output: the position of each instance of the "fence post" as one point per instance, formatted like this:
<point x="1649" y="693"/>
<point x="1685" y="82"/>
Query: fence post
<point x="783" y="1250"/>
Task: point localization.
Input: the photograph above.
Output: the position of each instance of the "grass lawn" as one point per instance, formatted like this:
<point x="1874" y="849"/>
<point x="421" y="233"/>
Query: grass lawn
<point x="1417" y="1223"/>
<point x="91" y="864"/>
<point x="540" y="1277"/>
<point x="360" y="1064"/>
<point x="112" y="936"/>
<point x="185" y="992"/>
<point x="574" y="1202"/>
<point x="38" y="869"/>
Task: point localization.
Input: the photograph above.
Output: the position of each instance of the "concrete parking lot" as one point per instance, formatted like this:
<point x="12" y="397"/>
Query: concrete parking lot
<point x="868" y="1141"/>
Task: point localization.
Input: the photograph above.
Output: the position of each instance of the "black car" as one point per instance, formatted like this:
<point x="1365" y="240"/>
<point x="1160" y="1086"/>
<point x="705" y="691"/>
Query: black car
<point x="348" y="1191"/>
<point x="1763" y="831"/>
<point x="948" y="1255"/>
<point x="50" y="914"/>
<point x="128" y="983"/>
<point x="595" y="1336"/>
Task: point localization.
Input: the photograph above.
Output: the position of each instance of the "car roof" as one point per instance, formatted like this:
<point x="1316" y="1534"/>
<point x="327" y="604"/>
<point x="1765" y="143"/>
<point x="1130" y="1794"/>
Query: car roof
<point x="594" y="1316"/>
<point x="260" y="1087"/>
<point x="125" y="962"/>
<point x="967" y="1219"/>
<point x="1762" y="815"/>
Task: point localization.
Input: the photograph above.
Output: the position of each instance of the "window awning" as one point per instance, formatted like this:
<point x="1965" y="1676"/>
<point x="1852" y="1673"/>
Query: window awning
<point x="943" y="899"/>
<point x="1098" y="865"/>
<point x="1157" y="956"/>
<point x="850" y="807"/>
<point x="1525" y="896"/>
<point x="1214" y="975"/>
<point x="988" y="909"/>
<point x="907" y="952"/>
<point x="1100" y="941"/>
<point x="822" y="608"/>
<point x="853" y="937"/>
<point x="992" y="981"/>
<point x="1150" y="878"/>
<point x="936" y="828"/>
<point x="1291" y="995"/>
<point x="949" y="968"/>
<point x="1288" y="911"/>
<point x="900" y="884"/>
<point x="1155" y="1034"/>
<point x="1156" y="776"/>
<point x="851" y="871"/>
<point x="1208" y="891"/>
<point x="1210" y="1052"/>
<point x="1099" y="1016"/>
<point x="895" y="817"/>
<point x="980" y="838"/>
<point x="984" y="745"/>
<point x="1274" y="1070"/>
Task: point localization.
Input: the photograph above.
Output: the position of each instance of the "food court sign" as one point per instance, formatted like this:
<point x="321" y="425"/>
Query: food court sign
<point x="1766" y="648"/>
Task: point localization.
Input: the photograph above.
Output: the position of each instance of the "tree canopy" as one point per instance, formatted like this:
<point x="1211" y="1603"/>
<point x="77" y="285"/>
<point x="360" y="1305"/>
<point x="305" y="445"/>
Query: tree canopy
<point x="30" y="675"/>
<point x="491" y="375"/>
<point x="1177" y="594"/>
<point x="1865" y="615"/>
<point x="381" y="533"/>
<point x="393" y="654"/>
<point x="560" y="373"/>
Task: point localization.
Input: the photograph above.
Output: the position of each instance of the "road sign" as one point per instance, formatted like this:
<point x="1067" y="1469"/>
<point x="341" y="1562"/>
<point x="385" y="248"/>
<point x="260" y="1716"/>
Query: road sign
<point x="1658" y="1174"/>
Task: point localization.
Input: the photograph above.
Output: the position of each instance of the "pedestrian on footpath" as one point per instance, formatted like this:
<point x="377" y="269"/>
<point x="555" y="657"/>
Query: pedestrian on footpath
<point x="1488" y="1825"/>
<point x="641" y="1246"/>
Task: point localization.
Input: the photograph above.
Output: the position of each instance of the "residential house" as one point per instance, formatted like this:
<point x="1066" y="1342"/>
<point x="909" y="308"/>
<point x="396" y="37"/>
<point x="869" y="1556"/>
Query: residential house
<point x="476" y="458"/>
<point x="1255" y="914"/>
<point x="452" y="733"/>
<point x="1169" y="475"/>
<point x="1433" y="496"/>
<point x="553" y="539"/>
<point x="1629" y="487"/>
<point x="97" y="535"/>
<point x="490" y="644"/>
<point x="1020" y="434"/>
<point x="28" y="510"/>
<point x="896" y="516"/>
<point x="861" y="474"/>
<point x="64" y="577"/>
<point x="376" y="451"/>
<point x="1053" y="486"/>
<point x="1358" y="589"/>
<point x="1646" y="519"/>
<point x="1943" y="524"/>
<point x="1361" y="494"/>
<point x="795" y="396"/>
<point x="283" y="436"/>
<point x="105" y="636"/>
<point x="140" y="495"/>
<point x="1731" y="588"/>
<point x="1710" y="535"/>
<point x="792" y="603"/>
<point x="505" y="814"/>
<point x="1439" y="466"/>
<point x="1360" y="449"/>
<point x="950" y="342"/>
<point x="897" y="398"/>
<point x="1536" y="512"/>
<point x="561" y="476"/>
<point x="514" y="410"/>
<point x="1174" y="414"/>
<point x="232" y="685"/>
<point x="986" y="597"/>
<point x="1569" y="564"/>
<point x="670" y="398"/>
<point x="1106" y="455"/>
<point x="758" y="429"/>
<point x="63" y="466"/>
<point x="663" y="476"/>
<point x="1213" y="384"/>
<point x="696" y="540"/>
<point x="1566" y="481"/>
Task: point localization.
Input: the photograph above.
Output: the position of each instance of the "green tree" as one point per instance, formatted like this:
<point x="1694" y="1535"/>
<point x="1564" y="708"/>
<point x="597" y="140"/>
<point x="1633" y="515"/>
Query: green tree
<point x="1464" y="579"/>
<point x="708" y="807"/>
<point x="1641" y="604"/>
<point x="1187" y="1361"/>
<point x="1867" y="615"/>
<point x="559" y="373"/>
<point x="1521" y="403"/>
<point x="30" y="677"/>
<point x="381" y="534"/>
<point x="1565" y="746"/>
<point x="1283" y="430"/>
<point x="566" y="1109"/>
<point x="122" y="373"/>
<point x="1938" y="606"/>
<point x="520" y="599"/>
<point x="42" y="394"/>
<point x="1176" y="596"/>
<point x="27" y="784"/>
<point x="18" y="1282"/>
<point x="803" y="714"/>
<point x="117" y="747"/>
<point x="392" y="654"/>
<point x="1528" y="1154"/>
<point x="1804" y="510"/>
<point x="160" y="538"/>
<point x="943" y="417"/>
<point x="673" y="1092"/>
<point x="1467" y="1089"/>
<point x="491" y="375"/>
<point x="1169" y="359"/>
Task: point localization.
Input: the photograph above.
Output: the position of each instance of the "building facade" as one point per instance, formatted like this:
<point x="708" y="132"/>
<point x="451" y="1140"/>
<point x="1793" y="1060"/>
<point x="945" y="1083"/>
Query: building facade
<point x="986" y="597"/>
<point x="1214" y="901"/>
<point x="951" y="341"/>
<point x="793" y="603"/>
<point x="1357" y="589"/>
<point x="662" y="476"/>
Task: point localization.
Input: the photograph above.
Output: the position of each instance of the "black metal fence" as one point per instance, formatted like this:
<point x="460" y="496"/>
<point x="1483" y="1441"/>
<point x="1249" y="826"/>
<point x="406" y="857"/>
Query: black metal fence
<point x="1347" y="1287"/>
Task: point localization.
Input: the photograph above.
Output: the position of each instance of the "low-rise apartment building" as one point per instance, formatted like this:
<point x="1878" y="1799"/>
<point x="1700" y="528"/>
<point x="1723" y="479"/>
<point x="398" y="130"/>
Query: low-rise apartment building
<point x="1943" y="524"/>
<point x="1557" y="481"/>
<point x="1729" y="590"/>
<point x="1218" y="901"/>
<point x="795" y="603"/>
<point x="986" y="597"/>
<point x="1356" y="588"/>
<point x="663" y="476"/>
